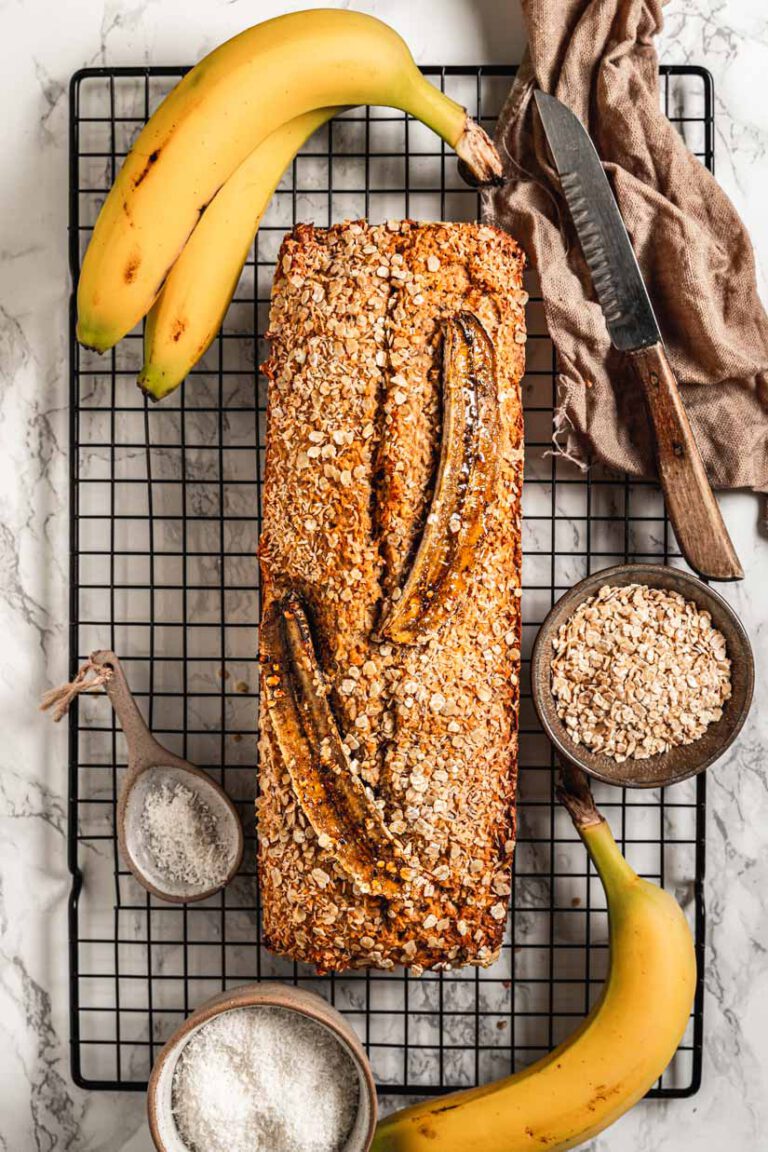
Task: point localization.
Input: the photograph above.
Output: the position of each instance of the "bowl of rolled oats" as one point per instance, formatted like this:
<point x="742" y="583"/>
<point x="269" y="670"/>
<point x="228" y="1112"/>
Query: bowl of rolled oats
<point x="642" y="675"/>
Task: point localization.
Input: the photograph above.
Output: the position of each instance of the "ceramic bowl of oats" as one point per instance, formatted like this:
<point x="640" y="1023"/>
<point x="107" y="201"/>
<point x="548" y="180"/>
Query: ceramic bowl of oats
<point x="642" y="675"/>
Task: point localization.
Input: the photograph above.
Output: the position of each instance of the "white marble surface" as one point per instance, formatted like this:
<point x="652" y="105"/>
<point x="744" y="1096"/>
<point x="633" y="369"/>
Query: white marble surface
<point x="40" y="1110"/>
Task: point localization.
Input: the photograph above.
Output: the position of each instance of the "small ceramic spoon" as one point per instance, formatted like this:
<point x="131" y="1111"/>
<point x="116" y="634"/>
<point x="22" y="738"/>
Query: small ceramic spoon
<point x="150" y="765"/>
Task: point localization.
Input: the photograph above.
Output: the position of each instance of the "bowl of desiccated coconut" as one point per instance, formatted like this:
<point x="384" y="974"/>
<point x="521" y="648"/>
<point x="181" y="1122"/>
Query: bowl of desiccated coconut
<point x="263" y="1068"/>
<point x="642" y="675"/>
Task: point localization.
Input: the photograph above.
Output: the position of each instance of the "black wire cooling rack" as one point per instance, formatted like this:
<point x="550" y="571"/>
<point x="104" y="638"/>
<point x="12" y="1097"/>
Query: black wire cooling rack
<point x="165" y="508"/>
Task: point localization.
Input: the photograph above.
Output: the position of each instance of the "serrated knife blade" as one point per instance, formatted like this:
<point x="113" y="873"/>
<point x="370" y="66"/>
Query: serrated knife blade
<point x="602" y="233"/>
<point x="632" y="326"/>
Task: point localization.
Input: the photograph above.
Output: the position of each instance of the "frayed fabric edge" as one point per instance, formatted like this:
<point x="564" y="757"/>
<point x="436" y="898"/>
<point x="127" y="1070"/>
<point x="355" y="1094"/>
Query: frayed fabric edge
<point x="564" y="439"/>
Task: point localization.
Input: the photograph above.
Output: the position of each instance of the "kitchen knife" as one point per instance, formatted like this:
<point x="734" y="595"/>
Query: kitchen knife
<point x="632" y="326"/>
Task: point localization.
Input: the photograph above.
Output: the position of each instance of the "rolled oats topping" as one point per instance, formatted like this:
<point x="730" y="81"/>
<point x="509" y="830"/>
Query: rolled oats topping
<point x="427" y="730"/>
<point x="637" y="671"/>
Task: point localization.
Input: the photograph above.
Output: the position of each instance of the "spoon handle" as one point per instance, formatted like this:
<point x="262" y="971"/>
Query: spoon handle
<point x="143" y="749"/>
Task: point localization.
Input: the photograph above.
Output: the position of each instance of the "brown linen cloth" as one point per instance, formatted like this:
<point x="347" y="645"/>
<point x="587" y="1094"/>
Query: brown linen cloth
<point x="597" y="56"/>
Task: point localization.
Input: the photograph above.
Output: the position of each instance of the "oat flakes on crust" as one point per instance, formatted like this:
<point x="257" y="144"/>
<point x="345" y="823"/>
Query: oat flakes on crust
<point x="352" y="441"/>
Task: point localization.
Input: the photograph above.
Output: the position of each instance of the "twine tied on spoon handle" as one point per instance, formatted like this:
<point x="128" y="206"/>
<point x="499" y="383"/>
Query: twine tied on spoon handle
<point x="90" y="678"/>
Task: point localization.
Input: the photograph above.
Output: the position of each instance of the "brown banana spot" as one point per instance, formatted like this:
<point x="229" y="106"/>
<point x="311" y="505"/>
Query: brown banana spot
<point x="131" y="268"/>
<point x="601" y="1096"/>
<point x="333" y="799"/>
<point x="465" y="484"/>
<point x="178" y="330"/>
<point x="151" y="160"/>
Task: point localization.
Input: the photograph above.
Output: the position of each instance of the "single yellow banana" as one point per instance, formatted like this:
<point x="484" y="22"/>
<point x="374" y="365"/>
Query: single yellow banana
<point x="214" y="118"/>
<point x="609" y="1062"/>
<point x="187" y="314"/>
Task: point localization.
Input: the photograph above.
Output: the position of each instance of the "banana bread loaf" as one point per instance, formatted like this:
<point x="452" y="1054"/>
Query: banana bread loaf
<point x="390" y="568"/>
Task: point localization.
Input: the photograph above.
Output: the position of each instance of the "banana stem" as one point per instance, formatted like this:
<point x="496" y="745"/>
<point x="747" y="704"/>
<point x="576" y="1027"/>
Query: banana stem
<point x="480" y="162"/>
<point x="575" y="794"/>
<point x="442" y="114"/>
<point x="613" y="869"/>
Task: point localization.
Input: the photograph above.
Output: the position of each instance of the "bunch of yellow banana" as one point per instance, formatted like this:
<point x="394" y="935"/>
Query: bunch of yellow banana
<point x="188" y="312"/>
<point x="210" y="158"/>
<point x="610" y="1061"/>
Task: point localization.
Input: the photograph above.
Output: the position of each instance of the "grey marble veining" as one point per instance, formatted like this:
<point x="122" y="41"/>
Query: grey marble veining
<point x="40" y="1109"/>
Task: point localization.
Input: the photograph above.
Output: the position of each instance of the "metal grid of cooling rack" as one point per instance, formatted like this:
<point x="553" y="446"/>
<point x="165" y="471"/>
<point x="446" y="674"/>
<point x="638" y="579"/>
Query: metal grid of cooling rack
<point x="165" y="507"/>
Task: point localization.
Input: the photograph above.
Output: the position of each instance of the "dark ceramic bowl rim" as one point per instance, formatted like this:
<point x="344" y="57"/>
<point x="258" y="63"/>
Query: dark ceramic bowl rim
<point x="679" y="763"/>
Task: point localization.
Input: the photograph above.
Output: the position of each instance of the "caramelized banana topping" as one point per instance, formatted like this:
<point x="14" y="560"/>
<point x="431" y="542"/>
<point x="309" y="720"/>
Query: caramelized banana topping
<point x="465" y="483"/>
<point x="334" y="800"/>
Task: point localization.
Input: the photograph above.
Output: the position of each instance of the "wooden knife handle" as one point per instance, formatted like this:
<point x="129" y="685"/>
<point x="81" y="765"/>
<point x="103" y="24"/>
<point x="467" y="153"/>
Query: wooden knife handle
<point x="691" y="503"/>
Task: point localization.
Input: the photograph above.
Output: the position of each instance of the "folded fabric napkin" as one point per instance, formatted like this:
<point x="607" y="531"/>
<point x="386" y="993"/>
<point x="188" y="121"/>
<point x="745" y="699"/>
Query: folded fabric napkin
<point x="597" y="56"/>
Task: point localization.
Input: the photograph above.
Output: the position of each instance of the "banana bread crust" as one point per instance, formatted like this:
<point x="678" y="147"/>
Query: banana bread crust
<point x="353" y="436"/>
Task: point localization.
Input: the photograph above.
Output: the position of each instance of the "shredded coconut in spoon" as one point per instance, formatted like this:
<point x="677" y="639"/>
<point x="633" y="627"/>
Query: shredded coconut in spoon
<point x="264" y="1080"/>
<point x="183" y="836"/>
